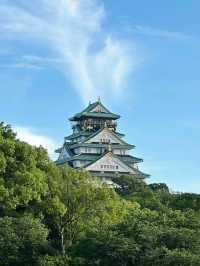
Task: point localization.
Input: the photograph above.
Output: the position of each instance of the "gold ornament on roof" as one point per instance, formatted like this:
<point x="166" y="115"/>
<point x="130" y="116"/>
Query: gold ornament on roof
<point x="109" y="147"/>
<point x="89" y="127"/>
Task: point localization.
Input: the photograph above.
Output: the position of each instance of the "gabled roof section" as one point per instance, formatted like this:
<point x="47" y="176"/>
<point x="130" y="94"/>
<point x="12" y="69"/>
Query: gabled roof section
<point x="110" y="163"/>
<point x="118" y="165"/>
<point x="96" y="109"/>
<point x="105" y="133"/>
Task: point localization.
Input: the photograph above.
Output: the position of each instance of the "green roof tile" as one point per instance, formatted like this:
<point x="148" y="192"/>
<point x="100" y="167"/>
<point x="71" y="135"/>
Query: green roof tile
<point x="87" y="113"/>
<point x="97" y="145"/>
<point x="93" y="157"/>
<point x="76" y="135"/>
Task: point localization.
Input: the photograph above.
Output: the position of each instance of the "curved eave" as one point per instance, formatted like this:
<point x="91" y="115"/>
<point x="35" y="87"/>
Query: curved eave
<point x="120" y="134"/>
<point x="138" y="172"/>
<point x="92" y="157"/>
<point x="108" y="174"/>
<point x="130" y="159"/>
<point x="73" y="136"/>
<point x="143" y="175"/>
<point x="85" y="157"/>
<point x="97" y="145"/>
<point x="58" y="150"/>
<point x="94" y="115"/>
<point x="61" y="162"/>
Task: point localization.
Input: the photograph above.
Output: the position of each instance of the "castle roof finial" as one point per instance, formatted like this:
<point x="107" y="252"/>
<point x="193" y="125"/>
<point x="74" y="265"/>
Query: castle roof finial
<point x="99" y="99"/>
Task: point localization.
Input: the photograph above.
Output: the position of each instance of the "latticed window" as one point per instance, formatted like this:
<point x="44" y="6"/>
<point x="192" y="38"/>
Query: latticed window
<point x="88" y="150"/>
<point x="108" y="166"/>
<point x="105" y="140"/>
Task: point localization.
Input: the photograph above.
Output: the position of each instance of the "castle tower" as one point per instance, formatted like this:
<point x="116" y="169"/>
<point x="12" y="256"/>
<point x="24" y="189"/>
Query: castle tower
<point x="96" y="145"/>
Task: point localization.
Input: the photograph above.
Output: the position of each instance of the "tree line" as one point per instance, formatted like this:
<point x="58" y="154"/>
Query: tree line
<point x="58" y="216"/>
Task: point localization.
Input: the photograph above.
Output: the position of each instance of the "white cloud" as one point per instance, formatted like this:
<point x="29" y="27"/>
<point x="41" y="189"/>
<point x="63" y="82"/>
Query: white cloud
<point x="154" y="32"/>
<point x="32" y="62"/>
<point x="95" y="62"/>
<point x="21" y="65"/>
<point x="30" y="136"/>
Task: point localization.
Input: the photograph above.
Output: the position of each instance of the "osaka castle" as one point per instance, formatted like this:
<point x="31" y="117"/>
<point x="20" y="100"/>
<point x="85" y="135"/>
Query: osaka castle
<point x="97" y="146"/>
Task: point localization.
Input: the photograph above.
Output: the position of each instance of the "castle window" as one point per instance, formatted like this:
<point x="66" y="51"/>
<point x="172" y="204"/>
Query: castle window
<point x="105" y="140"/>
<point x="109" y="166"/>
<point x="88" y="150"/>
<point x="122" y="152"/>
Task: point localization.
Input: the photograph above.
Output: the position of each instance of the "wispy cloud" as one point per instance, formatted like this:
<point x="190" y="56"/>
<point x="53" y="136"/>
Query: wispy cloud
<point x="160" y="33"/>
<point x="30" y="136"/>
<point x="32" y="62"/>
<point x="96" y="62"/>
<point x="21" y="65"/>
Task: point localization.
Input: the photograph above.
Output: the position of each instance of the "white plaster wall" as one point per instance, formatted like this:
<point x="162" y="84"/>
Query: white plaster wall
<point x="87" y="150"/>
<point x="120" y="151"/>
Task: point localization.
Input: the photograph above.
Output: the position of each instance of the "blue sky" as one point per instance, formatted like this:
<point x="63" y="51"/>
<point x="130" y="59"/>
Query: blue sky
<point x="141" y="57"/>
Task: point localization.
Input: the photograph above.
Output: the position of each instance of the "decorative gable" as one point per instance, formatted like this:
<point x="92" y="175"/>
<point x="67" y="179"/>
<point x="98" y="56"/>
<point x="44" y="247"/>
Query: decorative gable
<point x="105" y="136"/>
<point x="99" y="109"/>
<point x="109" y="163"/>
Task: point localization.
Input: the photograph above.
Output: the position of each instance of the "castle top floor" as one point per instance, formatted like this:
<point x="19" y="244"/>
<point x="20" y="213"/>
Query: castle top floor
<point x="94" y="117"/>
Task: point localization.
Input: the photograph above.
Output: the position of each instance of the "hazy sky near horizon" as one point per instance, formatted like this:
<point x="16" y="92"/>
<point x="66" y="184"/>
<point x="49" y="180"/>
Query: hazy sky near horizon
<point x="141" y="57"/>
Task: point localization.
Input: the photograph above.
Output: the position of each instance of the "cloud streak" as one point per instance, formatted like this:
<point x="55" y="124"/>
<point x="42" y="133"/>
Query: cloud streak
<point x="95" y="62"/>
<point x="32" y="62"/>
<point x="160" y="33"/>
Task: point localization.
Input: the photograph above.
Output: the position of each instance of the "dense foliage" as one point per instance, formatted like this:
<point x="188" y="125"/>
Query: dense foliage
<point x="52" y="216"/>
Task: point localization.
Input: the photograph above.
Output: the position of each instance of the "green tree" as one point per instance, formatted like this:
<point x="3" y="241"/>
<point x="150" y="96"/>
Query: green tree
<point x="135" y="189"/>
<point x="22" y="171"/>
<point x="54" y="261"/>
<point x="22" y="241"/>
<point x="76" y="202"/>
<point x="144" y="238"/>
<point x="159" y="187"/>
